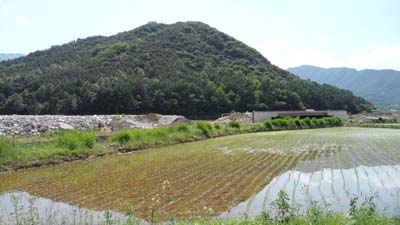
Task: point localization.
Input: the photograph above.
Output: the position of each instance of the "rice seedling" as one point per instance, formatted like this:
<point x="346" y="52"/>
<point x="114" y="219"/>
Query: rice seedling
<point x="210" y="177"/>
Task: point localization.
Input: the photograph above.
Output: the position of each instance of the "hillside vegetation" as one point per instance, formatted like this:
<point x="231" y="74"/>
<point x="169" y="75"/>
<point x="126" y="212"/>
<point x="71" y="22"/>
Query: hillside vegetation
<point x="186" y="68"/>
<point x="377" y="86"/>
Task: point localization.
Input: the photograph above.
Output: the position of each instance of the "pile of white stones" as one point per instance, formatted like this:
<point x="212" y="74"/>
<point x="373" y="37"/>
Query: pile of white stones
<point x="37" y="124"/>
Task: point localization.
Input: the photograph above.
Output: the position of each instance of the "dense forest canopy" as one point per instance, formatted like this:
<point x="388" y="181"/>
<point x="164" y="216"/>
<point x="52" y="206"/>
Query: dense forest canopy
<point x="185" y="68"/>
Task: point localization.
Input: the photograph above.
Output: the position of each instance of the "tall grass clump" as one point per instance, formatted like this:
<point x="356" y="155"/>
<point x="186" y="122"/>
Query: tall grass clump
<point x="121" y="137"/>
<point x="182" y="127"/>
<point x="268" y="125"/>
<point x="234" y="124"/>
<point x="206" y="128"/>
<point x="9" y="150"/>
<point x="298" y="123"/>
<point x="73" y="140"/>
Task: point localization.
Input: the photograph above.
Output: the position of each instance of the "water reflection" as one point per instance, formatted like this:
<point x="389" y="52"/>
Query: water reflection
<point x="331" y="188"/>
<point x="27" y="207"/>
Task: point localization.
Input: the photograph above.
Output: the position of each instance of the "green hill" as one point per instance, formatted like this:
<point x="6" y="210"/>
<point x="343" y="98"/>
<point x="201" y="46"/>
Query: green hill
<point x="184" y="68"/>
<point x="381" y="87"/>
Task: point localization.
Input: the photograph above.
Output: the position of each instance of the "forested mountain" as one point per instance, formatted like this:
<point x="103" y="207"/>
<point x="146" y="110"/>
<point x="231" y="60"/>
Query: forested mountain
<point x="185" y="68"/>
<point x="381" y="87"/>
<point x="5" y="56"/>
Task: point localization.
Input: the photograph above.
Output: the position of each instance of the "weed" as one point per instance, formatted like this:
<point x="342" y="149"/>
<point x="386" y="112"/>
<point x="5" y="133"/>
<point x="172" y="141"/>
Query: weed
<point x="121" y="137"/>
<point x="234" y="124"/>
<point x="205" y="127"/>
<point x="182" y="127"/>
<point x="76" y="139"/>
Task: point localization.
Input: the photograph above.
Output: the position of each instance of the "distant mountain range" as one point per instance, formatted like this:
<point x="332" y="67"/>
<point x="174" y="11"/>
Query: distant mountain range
<point x="6" y="56"/>
<point x="380" y="87"/>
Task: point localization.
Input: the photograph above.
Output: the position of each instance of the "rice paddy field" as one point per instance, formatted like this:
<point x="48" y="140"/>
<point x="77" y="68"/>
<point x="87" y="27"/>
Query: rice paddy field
<point x="226" y="177"/>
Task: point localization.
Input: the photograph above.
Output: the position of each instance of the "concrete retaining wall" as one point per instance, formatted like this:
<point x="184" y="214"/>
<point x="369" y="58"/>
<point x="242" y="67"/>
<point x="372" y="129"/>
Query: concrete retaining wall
<point x="261" y="116"/>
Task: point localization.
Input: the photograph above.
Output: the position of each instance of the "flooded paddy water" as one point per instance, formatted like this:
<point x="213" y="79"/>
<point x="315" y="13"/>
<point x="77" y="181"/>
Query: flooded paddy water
<point x="226" y="177"/>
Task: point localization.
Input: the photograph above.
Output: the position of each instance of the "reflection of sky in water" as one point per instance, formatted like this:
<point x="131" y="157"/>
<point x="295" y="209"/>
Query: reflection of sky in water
<point x="331" y="188"/>
<point x="50" y="212"/>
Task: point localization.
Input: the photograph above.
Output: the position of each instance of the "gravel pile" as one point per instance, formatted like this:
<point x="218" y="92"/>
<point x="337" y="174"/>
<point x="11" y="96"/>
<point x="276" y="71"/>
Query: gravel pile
<point x="37" y="124"/>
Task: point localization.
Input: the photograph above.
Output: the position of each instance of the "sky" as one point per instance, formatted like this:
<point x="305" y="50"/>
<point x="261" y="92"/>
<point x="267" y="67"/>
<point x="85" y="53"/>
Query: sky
<point x="343" y="33"/>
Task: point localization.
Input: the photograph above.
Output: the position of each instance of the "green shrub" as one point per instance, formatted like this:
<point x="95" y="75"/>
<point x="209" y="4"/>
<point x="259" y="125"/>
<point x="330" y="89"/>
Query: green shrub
<point x="268" y="124"/>
<point x="160" y="132"/>
<point x="75" y="139"/>
<point x="290" y="122"/>
<point x="307" y="121"/>
<point x="205" y="128"/>
<point x="258" y="127"/>
<point x="234" y="124"/>
<point x="298" y="123"/>
<point x="182" y="127"/>
<point x="121" y="137"/>
<point x="314" y="122"/>
<point x="217" y="126"/>
<point x="8" y="148"/>
<point x="322" y="122"/>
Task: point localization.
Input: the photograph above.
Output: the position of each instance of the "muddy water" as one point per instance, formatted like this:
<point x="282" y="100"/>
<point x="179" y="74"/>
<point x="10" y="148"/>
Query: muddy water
<point x="226" y="176"/>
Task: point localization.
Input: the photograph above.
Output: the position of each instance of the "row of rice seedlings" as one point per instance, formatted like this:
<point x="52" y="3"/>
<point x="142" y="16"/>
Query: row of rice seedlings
<point x="314" y="167"/>
<point x="309" y="157"/>
<point x="231" y="195"/>
<point x="360" y="158"/>
<point x="209" y="183"/>
<point x="324" y="202"/>
<point x="181" y="194"/>
<point x="332" y="166"/>
<point x="223" y="189"/>
<point x="349" y="156"/>
<point x="281" y="167"/>
<point x="259" y="179"/>
<point x="265" y="175"/>
<point x="340" y="159"/>
<point x="293" y="161"/>
<point x="310" y="140"/>
<point x="241" y="181"/>
<point x="232" y="171"/>
<point x="385" y="149"/>
<point x="274" y="177"/>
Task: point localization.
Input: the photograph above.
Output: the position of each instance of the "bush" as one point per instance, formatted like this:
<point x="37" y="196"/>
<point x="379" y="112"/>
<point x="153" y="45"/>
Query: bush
<point x="182" y="127"/>
<point x="290" y="122"/>
<point x="217" y="126"/>
<point x="76" y="139"/>
<point x="307" y="121"/>
<point x="268" y="124"/>
<point x="298" y="123"/>
<point x="314" y="122"/>
<point x="258" y="127"/>
<point x="121" y="137"/>
<point x="234" y="124"/>
<point x="205" y="128"/>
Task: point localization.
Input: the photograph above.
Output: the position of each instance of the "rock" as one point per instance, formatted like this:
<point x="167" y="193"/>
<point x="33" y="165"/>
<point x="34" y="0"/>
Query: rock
<point x="64" y="126"/>
<point x="35" y="124"/>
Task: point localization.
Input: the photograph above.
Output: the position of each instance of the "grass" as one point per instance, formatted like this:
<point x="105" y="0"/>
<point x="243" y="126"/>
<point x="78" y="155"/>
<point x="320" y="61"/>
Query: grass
<point x="59" y="144"/>
<point x="218" y="172"/>
<point x="71" y="145"/>
<point x="282" y="213"/>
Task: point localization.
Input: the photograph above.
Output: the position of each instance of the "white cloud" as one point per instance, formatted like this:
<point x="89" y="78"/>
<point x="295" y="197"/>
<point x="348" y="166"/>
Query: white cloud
<point x="24" y="21"/>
